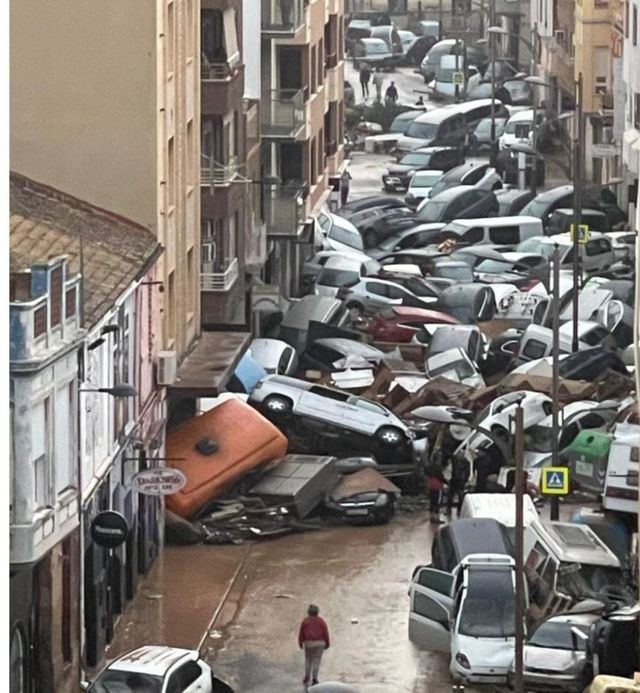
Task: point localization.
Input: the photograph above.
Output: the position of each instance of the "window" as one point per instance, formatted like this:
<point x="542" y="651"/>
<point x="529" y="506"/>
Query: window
<point x="230" y="34"/>
<point x="70" y="302"/>
<point x="170" y="184"/>
<point x="429" y="608"/>
<point x="40" y="321"/>
<point x="436" y="580"/>
<point x="489" y="606"/>
<point x="507" y="235"/>
<point x="473" y="235"/>
<point x="377" y="288"/>
<point x="212" y="36"/>
<point x="41" y="481"/>
<point x="170" y="39"/>
<point x="184" y="677"/>
<point x="55" y="295"/>
<point x="534" y="349"/>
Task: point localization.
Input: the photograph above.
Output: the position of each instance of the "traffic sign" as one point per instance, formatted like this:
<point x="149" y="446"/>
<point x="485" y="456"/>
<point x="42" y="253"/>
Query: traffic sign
<point x="583" y="233"/>
<point x="109" y="529"/>
<point x="555" y="481"/>
<point x="458" y="78"/>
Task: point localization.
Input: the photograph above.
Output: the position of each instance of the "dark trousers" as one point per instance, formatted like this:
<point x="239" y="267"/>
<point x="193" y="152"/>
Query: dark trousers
<point x="434" y="500"/>
<point x="458" y="493"/>
<point x="365" y="88"/>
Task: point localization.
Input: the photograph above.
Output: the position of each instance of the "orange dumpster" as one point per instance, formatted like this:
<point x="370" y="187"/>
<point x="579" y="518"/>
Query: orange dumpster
<point x="216" y="449"/>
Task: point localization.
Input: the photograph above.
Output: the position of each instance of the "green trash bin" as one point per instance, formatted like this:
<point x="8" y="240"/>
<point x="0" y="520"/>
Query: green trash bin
<point x="588" y="455"/>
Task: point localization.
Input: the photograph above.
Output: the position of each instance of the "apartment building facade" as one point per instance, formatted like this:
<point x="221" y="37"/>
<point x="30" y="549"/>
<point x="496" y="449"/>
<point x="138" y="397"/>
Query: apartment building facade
<point x="631" y="108"/>
<point x="302" y="126"/>
<point x="105" y="106"/>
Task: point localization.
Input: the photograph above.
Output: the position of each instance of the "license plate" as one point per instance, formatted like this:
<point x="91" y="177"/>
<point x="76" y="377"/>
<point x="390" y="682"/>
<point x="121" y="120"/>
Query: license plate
<point x="358" y="512"/>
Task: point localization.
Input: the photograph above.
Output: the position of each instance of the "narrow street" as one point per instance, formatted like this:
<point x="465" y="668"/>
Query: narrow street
<point x="358" y="577"/>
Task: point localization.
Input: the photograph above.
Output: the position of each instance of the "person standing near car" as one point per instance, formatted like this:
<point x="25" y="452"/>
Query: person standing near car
<point x="344" y="187"/>
<point x="365" y="76"/>
<point x="391" y="95"/>
<point x="460" y="472"/>
<point x="313" y="638"/>
<point x="378" y="79"/>
<point x="435" y="482"/>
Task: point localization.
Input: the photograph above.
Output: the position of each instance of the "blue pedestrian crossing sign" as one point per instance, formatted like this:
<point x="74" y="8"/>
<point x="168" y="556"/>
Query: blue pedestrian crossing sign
<point x="555" y="481"/>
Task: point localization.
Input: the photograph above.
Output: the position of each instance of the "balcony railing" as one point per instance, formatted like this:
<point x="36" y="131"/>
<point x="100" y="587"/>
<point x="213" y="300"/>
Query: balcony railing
<point x="284" y="209"/>
<point x="220" y="281"/>
<point x="283" y="17"/>
<point x="282" y="113"/>
<point x="219" y="70"/>
<point x="213" y="173"/>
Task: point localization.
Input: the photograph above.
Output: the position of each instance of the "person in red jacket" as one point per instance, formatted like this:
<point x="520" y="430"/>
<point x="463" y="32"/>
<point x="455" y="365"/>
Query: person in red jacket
<point x="313" y="638"/>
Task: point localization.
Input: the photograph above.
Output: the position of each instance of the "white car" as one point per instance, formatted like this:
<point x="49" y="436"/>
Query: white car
<point x="337" y="233"/>
<point x="157" y="669"/>
<point x="274" y="355"/>
<point x="454" y="364"/>
<point x="420" y="186"/>
<point x="624" y="244"/>
<point x="519" y="130"/>
<point x="342" y="271"/>
<point x="469" y="613"/>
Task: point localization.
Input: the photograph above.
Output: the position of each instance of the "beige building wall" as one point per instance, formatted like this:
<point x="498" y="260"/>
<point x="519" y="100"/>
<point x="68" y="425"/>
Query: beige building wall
<point x="102" y="95"/>
<point x="593" y="38"/>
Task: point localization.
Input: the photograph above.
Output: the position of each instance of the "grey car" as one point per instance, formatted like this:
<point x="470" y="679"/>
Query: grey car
<point x="556" y="655"/>
<point x="281" y="396"/>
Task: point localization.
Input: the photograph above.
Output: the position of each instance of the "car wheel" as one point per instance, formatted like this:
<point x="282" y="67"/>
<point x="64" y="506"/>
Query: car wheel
<point x="390" y="435"/>
<point x="278" y="405"/>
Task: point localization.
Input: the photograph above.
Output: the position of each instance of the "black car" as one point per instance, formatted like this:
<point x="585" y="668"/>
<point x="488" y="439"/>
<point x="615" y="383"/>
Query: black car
<point x="545" y="203"/>
<point x="369" y="202"/>
<point x="399" y="174"/>
<point x="467" y="174"/>
<point x="591" y="364"/>
<point x="420" y="47"/>
<point x="480" y="139"/>
<point x="460" y="202"/>
<point x="511" y="201"/>
<point x="468" y="303"/>
<point x="376" y="229"/>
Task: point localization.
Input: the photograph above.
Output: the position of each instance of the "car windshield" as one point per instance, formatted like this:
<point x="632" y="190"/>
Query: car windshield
<point x="349" y="238"/>
<point x="433" y="210"/>
<point x="538" y="439"/>
<point x="331" y="277"/>
<point x="425" y="131"/>
<point x="113" y="681"/>
<point x="583" y="581"/>
<point x="462" y="368"/>
<point x="518" y="90"/>
<point x="415" y="159"/>
<point x="400" y="124"/>
<point x="425" y="180"/>
<point x="459" y="274"/>
<point x="494" y="266"/>
<point x="533" y="245"/>
<point x="376" y="48"/>
<point x="558" y="636"/>
<point x="488" y="610"/>
<point x="535" y="209"/>
<point x="419" y="288"/>
<point x="517" y="127"/>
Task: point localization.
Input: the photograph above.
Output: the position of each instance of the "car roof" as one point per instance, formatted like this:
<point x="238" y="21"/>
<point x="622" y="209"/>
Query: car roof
<point x="466" y="534"/>
<point x="553" y="194"/>
<point x="522" y="115"/>
<point x="451" y="193"/>
<point x="154" y="660"/>
<point x="409" y="312"/>
<point x="344" y="262"/>
<point x="431" y="149"/>
<point x="459" y="171"/>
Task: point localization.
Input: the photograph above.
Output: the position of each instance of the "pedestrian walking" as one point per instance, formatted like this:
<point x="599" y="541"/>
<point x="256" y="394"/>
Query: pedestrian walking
<point x="460" y="472"/>
<point x="365" y="76"/>
<point x="391" y="95"/>
<point x="435" y="482"/>
<point x="420" y="101"/>
<point x="378" y="79"/>
<point x="313" y="638"/>
<point x="344" y="187"/>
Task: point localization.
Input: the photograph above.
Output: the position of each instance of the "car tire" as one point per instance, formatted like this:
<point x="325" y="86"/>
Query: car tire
<point x="276" y="404"/>
<point x="390" y="435"/>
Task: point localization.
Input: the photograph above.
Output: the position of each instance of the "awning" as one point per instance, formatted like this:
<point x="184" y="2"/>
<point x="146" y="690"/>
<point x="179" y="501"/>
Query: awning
<point x="207" y="368"/>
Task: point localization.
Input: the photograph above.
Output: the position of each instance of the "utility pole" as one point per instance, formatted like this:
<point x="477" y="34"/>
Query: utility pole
<point x="555" y="355"/>
<point x="577" y="203"/>
<point x="492" y="53"/>
<point x="519" y="443"/>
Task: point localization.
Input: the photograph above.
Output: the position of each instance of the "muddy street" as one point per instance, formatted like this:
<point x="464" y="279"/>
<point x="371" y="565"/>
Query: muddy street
<point x="243" y="605"/>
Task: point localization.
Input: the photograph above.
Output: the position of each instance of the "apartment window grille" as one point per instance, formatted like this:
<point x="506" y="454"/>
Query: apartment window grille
<point x="70" y="302"/>
<point x="55" y="296"/>
<point x="39" y="321"/>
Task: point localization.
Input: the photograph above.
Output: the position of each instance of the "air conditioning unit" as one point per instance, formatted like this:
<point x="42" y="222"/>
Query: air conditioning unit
<point x="167" y="367"/>
<point x="558" y="35"/>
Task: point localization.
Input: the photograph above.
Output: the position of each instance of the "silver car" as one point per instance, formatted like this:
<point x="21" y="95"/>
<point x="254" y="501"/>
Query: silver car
<point x="280" y="395"/>
<point x="556" y="657"/>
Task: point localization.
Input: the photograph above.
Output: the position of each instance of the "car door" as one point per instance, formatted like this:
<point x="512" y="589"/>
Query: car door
<point x="377" y="296"/>
<point x="190" y="677"/>
<point x="430" y="610"/>
<point x="321" y="403"/>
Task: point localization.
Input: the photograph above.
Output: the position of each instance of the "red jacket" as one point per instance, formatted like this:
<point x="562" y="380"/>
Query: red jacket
<point x="313" y="628"/>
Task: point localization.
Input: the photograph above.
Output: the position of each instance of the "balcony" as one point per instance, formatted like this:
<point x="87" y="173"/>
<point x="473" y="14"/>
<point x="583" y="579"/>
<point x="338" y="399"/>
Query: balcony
<point x="282" y="113"/>
<point x="284" y="208"/>
<point x="557" y="60"/>
<point x="330" y="60"/>
<point x="220" y="281"/>
<point x="283" y="18"/>
<point x="222" y="86"/>
<point x="214" y="174"/>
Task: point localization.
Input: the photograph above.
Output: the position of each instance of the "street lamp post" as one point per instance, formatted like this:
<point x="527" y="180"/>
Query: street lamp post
<point x="577" y="202"/>
<point x="555" y="369"/>
<point x="519" y="595"/>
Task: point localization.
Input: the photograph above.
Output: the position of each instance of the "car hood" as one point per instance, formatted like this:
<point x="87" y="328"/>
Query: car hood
<point x="485" y="653"/>
<point x="551" y="660"/>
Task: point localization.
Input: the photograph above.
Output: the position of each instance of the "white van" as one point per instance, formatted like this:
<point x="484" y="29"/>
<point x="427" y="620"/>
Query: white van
<point x="537" y="341"/>
<point x="569" y="563"/>
<point x="621" y="481"/>
<point x="596" y="255"/>
<point x="342" y="271"/>
<point x="495" y="230"/>
<point x="499" y="506"/>
<point x="469" y="613"/>
<point x="454" y="364"/>
<point x="519" y="130"/>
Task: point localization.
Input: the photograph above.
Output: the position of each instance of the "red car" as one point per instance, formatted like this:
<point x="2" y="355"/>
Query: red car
<point x="400" y="323"/>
